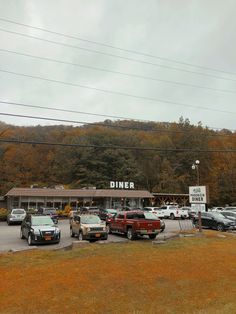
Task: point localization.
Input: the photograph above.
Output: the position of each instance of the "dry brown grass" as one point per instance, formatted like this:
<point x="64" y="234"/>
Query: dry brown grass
<point x="188" y="275"/>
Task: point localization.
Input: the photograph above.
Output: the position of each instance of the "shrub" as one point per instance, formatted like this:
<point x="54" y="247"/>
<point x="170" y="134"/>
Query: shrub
<point x="3" y="214"/>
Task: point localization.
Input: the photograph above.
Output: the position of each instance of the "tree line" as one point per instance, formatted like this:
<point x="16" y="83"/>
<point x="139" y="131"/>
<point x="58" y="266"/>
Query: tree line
<point x="165" y="171"/>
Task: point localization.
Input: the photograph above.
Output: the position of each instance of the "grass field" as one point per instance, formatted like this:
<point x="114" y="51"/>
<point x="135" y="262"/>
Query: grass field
<point x="187" y="275"/>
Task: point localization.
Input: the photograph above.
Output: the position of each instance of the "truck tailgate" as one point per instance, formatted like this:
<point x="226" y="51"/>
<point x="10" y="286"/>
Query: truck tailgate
<point x="148" y="224"/>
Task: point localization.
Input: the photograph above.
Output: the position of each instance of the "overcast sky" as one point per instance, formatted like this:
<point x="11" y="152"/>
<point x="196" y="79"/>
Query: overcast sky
<point x="196" y="36"/>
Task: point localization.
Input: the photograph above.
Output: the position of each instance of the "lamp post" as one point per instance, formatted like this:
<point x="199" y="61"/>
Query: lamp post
<point x="195" y="166"/>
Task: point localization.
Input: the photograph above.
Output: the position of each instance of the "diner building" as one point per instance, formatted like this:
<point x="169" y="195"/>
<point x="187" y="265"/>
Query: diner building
<point x="30" y="198"/>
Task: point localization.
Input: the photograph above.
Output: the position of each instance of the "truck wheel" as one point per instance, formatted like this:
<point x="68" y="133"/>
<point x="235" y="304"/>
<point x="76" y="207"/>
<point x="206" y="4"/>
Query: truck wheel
<point x="152" y="236"/>
<point x="72" y="233"/>
<point x="80" y="236"/>
<point x="130" y="234"/>
<point x="172" y="216"/>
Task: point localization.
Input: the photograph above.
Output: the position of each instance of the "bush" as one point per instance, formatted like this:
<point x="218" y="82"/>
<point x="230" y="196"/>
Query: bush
<point x="3" y="214"/>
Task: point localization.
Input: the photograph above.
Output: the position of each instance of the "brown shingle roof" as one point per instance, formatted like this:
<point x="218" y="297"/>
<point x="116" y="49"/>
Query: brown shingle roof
<point x="79" y="193"/>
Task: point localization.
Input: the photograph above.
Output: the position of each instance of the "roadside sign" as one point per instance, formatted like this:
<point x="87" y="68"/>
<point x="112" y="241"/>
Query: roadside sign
<point x="198" y="195"/>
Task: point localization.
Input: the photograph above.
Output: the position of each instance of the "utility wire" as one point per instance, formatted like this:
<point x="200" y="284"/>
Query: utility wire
<point x="159" y="149"/>
<point x="117" y="72"/>
<point x="115" y="92"/>
<point x="92" y="114"/>
<point x="115" y="47"/>
<point x="115" y="56"/>
<point x="106" y="125"/>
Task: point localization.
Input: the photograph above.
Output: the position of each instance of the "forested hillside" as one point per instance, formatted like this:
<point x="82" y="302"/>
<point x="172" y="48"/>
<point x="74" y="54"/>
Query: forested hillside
<point x="166" y="168"/>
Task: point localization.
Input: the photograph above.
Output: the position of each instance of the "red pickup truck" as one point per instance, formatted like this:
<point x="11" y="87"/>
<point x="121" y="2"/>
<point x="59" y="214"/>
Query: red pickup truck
<point x="134" y="223"/>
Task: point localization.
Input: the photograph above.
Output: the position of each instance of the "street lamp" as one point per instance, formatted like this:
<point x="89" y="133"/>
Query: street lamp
<point x="195" y="165"/>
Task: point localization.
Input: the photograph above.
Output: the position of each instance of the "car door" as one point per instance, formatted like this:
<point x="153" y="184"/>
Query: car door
<point x="117" y="222"/>
<point x="207" y="220"/>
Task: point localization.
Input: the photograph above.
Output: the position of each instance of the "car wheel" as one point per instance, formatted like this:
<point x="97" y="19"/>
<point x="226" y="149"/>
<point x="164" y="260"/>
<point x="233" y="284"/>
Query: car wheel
<point x="80" y="236"/>
<point x="196" y="225"/>
<point x="220" y="227"/>
<point x="130" y="234"/>
<point x="72" y="233"/>
<point x="172" y="216"/>
<point x="30" y="239"/>
<point x="21" y="234"/>
<point x="8" y="222"/>
<point x="152" y="236"/>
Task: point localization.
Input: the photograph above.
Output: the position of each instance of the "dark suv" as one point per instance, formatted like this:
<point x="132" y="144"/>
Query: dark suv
<point x="215" y="220"/>
<point x="39" y="229"/>
<point x="49" y="211"/>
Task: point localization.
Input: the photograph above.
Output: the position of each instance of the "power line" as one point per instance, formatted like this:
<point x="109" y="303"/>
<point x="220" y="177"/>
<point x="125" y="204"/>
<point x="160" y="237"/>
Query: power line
<point x="177" y="150"/>
<point x="115" y="47"/>
<point x="116" y="56"/>
<point x="118" y="72"/>
<point x="105" y="125"/>
<point x="115" y="92"/>
<point x="92" y="114"/>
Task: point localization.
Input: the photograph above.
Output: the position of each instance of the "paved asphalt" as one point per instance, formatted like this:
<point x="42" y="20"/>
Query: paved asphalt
<point x="10" y="235"/>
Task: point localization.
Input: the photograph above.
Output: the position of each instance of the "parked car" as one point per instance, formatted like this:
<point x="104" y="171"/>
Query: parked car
<point x="191" y="212"/>
<point x="215" y="220"/>
<point x="133" y="224"/>
<point x="230" y="208"/>
<point x="217" y="209"/>
<point x="88" y="227"/>
<point x="106" y="213"/>
<point x="16" y="215"/>
<point x="152" y="216"/>
<point x="39" y="229"/>
<point x="49" y="211"/>
<point x="229" y="215"/>
<point x="93" y="210"/>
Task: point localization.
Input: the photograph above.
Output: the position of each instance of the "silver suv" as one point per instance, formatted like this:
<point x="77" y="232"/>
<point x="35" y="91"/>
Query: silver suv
<point x="16" y="215"/>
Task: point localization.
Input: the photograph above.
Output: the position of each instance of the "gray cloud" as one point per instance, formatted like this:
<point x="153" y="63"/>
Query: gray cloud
<point x="196" y="32"/>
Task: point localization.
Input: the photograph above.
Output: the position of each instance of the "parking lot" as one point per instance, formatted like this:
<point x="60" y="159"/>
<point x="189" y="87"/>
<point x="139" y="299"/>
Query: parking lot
<point x="10" y="235"/>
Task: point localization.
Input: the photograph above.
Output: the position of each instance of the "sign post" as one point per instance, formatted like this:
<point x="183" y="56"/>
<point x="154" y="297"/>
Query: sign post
<point x="198" y="195"/>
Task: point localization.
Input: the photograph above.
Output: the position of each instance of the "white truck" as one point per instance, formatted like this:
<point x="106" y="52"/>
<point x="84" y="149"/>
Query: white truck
<point x="172" y="212"/>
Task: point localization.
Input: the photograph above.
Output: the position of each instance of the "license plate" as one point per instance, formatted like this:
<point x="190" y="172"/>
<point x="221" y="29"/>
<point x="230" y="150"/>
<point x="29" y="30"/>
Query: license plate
<point x="47" y="238"/>
<point x="97" y="235"/>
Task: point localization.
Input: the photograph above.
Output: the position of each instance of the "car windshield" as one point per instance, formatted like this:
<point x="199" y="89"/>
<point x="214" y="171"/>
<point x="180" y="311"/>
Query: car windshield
<point x="150" y="216"/>
<point x="18" y="211"/>
<point x="44" y="220"/>
<point x="90" y="219"/>
<point x="218" y="215"/>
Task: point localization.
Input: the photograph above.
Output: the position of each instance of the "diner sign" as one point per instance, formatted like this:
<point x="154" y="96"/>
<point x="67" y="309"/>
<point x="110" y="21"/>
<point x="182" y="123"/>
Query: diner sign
<point x="121" y="185"/>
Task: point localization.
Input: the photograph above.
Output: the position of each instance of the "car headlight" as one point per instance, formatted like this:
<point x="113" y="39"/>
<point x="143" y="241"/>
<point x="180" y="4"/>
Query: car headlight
<point x="88" y="229"/>
<point x="35" y="231"/>
<point x="57" y="231"/>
